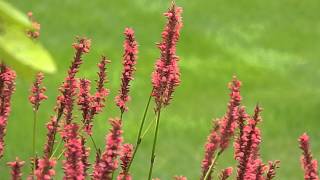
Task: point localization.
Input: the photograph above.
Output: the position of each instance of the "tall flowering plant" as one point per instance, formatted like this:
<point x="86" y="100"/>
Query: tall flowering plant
<point x="113" y="161"/>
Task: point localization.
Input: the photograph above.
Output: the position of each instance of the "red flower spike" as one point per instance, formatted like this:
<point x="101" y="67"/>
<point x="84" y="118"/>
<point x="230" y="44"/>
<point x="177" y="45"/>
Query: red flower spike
<point x="229" y="121"/>
<point x="102" y="93"/>
<point x="45" y="170"/>
<point x="69" y="87"/>
<point x="73" y="165"/>
<point x="166" y="74"/>
<point x="16" y="169"/>
<point x="129" y="62"/>
<point x="126" y="156"/>
<point x="309" y="165"/>
<point x="272" y="167"/>
<point x="210" y="149"/>
<point x="108" y="162"/>
<point x="85" y="156"/>
<point x="85" y="103"/>
<point x="226" y="173"/>
<point x="247" y="153"/>
<point x="37" y="92"/>
<point x="7" y="87"/>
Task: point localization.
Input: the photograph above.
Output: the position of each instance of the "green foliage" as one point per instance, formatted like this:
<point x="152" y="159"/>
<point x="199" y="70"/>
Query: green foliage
<point x="16" y="48"/>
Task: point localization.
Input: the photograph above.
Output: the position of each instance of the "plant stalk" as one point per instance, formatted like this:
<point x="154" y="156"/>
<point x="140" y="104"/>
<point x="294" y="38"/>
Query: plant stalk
<point x="153" y="155"/>
<point x="139" y="138"/>
<point x="34" y="140"/>
<point x="214" y="160"/>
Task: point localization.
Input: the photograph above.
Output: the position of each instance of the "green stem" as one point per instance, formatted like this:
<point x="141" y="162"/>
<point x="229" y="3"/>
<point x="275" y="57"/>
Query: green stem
<point x="56" y="149"/>
<point x="153" y="155"/>
<point x="139" y="138"/>
<point x="214" y="160"/>
<point x="34" y="139"/>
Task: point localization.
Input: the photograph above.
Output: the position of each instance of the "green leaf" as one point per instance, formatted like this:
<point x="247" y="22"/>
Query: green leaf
<point x="10" y="15"/>
<point x="23" y="53"/>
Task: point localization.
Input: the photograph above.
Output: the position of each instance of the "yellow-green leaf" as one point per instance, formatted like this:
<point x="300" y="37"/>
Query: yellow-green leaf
<point x="23" y="53"/>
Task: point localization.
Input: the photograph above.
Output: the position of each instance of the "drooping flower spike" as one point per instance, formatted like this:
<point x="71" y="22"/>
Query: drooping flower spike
<point x="166" y="74"/>
<point x="309" y="165"/>
<point x="129" y="62"/>
<point x="16" y="169"/>
<point x="7" y="87"/>
<point x="108" y="162"/>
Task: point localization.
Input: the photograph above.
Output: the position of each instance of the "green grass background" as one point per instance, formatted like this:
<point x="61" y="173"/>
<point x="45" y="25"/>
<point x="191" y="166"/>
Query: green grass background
<point x="272" y="46"/>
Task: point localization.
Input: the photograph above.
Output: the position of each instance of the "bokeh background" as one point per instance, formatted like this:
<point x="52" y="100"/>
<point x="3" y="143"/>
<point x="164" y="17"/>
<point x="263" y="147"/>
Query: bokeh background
<point x="272" y="46"/>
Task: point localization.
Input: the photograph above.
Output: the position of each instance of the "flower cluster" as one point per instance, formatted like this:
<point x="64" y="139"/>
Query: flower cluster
<point x="7" y="87"/>
<point x="45" y="169"/>
<point x="247" y="147"/>
<point x="235" y="123"/>
<point x="91" y="105"/>
<point x="126" y="156"/>
<point x="16" y="169"/>
<point x="108" y="162"/>
<point x="35" y="32"/>
<point x="226" y="173"/>
<point x="211" y="146"/>
<point x="129" y="62"/>
<point x="310" y="165"/>
<point x="73" y="165"/>
<point x="166" y="75"/>
<point x="37" y="92"/>
<point x="229" y="121"/>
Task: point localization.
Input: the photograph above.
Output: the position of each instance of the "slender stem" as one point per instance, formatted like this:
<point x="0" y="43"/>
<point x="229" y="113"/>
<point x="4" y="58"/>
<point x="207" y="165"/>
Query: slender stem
<point x="34" y="140"/>
<point x="148" y="128"/>
<point x="56" y="149"/>
<point x="214" y="160"/>
<point x="94" y="144"/>
<point x="139" y="138"/>
<point x="153" y="155"/>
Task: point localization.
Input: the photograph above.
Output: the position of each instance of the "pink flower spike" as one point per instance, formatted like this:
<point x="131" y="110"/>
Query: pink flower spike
<point x="210" y="149"/>
<point x="108" y="162"/>
<point x="126" y="156"/>
<point x="229" y="121"/>
<point x="69" y="87"/>
<point x="85" y="103"/>
<point x="100" y="97"/>
<point x="226" y="173"/>
<point x="129" y="62"/>
<point x="166" y="74"/>
<point x="272" y="167"/>
<point x="309" y="165"/>
<point x="73" y="165"/>
<point x="7" y="87"/>
<point x="37" y="92"/>
<point x="247" y="148"/>
<point x="45" y="170"/>
<point x="16" y="169"/>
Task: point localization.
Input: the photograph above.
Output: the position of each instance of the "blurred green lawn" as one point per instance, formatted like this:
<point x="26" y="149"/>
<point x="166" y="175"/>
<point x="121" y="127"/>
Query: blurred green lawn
<point x="272" y="46"/>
